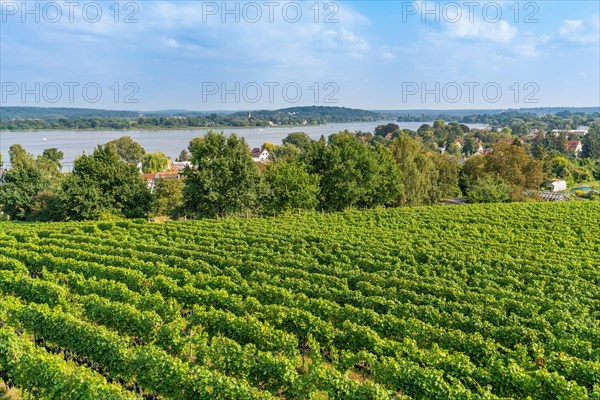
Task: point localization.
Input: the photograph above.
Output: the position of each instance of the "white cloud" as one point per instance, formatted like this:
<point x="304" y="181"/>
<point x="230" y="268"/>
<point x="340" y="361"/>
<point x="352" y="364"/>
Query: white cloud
<point x="474" y="33"/>
<point x="500" y="32"/>
<point x="571" y="26"/>
<point x="387" y="53"/>
<point x="275" y="41"/>
<point x="575" y="30"/>
<point x="463" y="23"/>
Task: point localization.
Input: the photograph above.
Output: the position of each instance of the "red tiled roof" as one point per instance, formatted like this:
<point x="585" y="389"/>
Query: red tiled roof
<point x="168" y="174"/>
<point x="573" y="144"/>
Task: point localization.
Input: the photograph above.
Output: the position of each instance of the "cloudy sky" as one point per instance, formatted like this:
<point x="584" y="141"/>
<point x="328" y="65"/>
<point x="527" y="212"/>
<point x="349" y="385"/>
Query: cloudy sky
<point x="195" y="55"/>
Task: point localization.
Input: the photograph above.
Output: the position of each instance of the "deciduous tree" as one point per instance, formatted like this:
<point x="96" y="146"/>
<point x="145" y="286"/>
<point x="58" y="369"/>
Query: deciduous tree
<point x="102" y="183"/>
<point x="416" y="168"/>
<point x="183" y="156"/>
<point x="168" y="198"/>
<point x="54" y="155"/>
<point x="289" y="186"/>
<point x="154" y="162"/>
<point x="509" y="163"/>
<point x="223" y="179"/>
<point x="24" y="182"/>
<point x="489" y="190"/>
<point x="591" y="143"/>
<point x="298" y="139"/>
<point x="383" y="130"/>
<point x="128" y="150"/>
<point x="445" y="174"/>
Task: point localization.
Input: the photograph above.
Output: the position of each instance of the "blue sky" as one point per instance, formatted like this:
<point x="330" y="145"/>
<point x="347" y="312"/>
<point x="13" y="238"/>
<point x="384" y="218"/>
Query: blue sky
<point x="374" y="55"/>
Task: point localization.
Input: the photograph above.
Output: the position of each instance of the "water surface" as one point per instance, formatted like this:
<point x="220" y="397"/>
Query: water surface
<point x="171" y="142"/>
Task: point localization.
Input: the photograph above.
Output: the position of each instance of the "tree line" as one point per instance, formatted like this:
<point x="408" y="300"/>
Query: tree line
<point x="520" y="122"/>
<point x="346" y="170"/>
<point x="17" y="119"/>
<point x="37" y="118"/>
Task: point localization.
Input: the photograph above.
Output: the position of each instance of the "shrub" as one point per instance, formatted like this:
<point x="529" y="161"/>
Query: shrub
<point x="489" y="190"/>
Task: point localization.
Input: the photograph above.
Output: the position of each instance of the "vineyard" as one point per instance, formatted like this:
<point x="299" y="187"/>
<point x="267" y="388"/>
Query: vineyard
<point x="471" y="302"/>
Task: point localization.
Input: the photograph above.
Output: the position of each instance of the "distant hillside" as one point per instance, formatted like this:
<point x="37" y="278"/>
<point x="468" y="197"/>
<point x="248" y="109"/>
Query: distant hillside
<point x="39" y="118"/>
<point x="291" y="115"/>
<point x="52" y="113"/>
<point x="330" y="114"/>
<point x="431" y="115"/>
<point x="36" y="118"/>
<point x="183" y="113"/>
<point x="313" y="114"/>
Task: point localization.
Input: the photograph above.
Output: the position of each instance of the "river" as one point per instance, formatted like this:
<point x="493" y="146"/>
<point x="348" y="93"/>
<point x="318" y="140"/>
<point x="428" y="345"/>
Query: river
<point x="170" y="142"/>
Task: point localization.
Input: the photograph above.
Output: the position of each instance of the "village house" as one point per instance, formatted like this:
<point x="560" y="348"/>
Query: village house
<point x="557" y="185"/>
<point x="260" y="155"/>
<point x="480" y="150"/>
<point x="580" y="131"/>
<point x="180" y="165"/>
<point x="149" y="178"/>
<point x="574" y="146"/>
<point x="152" y="179"/>
<point x="506" y="141"/>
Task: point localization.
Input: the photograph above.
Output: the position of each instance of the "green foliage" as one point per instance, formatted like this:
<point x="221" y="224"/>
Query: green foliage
<point x="383" y="130"/>
<point x="453" y="149"/>
<point x="489" y="190"/>
<point x="102" y="182"/>
<point x="55" y="155"/>
<point x="455" y="133"/>
<point x="183" y="156"/>
<point x="286" y="152"/>
<point x="538" y="149"/>
<point x="556" y="143"/>
<point x="224" y="179"/>
<point x="506" y="162"/>
<point x="386" y="179"/>
<point x="353" y="174"/>
<point x="345" y="178"/>
<point x="127" y="149"/>
<point x="426" y="133"/>
<point x="471" y="146"/>
<point x="30" y="118"/>
<point x="18" y="155"/>
<point x="572" y="171"/>
<point x="168" y="198"/>
<point x="289" y="186"/>
<point x="29" y="187"/>
<point x="299" y="139"/>
<point x="311" y="306"/>
<point x="416" y="169"/>
<point x="49" y="375"/>
<point x="591" y="143"/>
<point x="445" y="177"/>
<point x="48" y="206"/>
<point x="154" y="162"/>
<point x="560" y="168"/>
